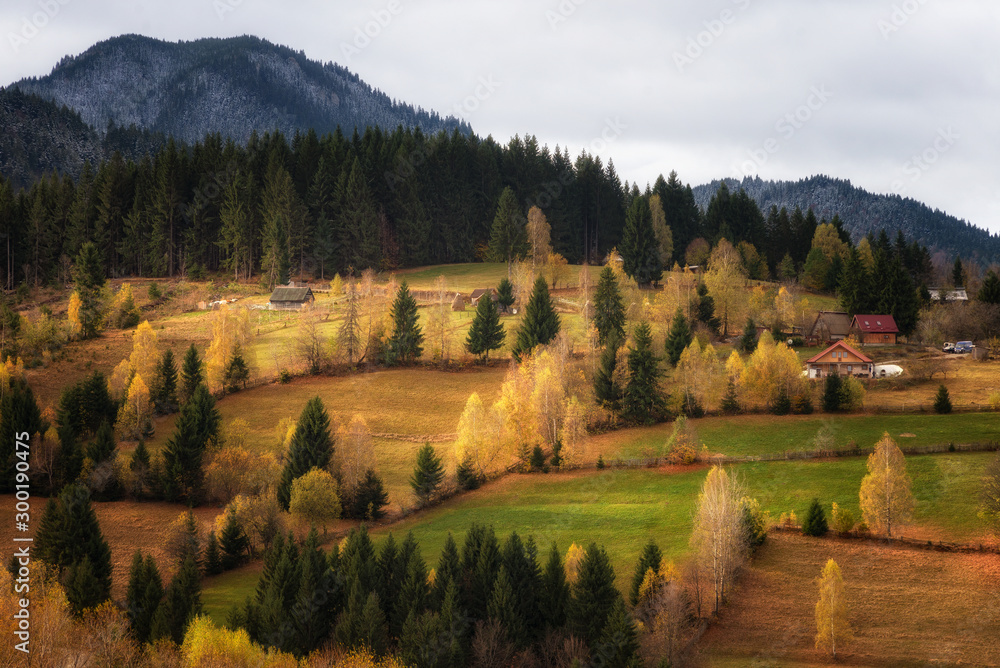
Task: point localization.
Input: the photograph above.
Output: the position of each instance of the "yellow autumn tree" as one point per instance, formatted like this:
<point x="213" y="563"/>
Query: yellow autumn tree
<point x="355" y="453"/>
<point x="726" y="281"/>
<point x="207" y="645"/>
<point x="556" y="269"/>
<point x="833" y="630"/>
<point x="573" y="434"/>
<point x="574" y="557"/>
<point x="517" y="411"/>
<point x="134" y="417"/>
<point x="145" y="355"/>
<point x="315" y="500"/>
<point x="479" y="441"/>
<point x="539" y="233"/>
<point x="770" y="368"/>
<point x="548" y="395"/>
<point x="73" y="313"/>
<point x="886" y="497"/>
<point x="336" y="286"/>
<point x="230" y="328"/>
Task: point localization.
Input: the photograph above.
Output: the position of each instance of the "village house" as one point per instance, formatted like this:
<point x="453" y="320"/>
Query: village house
<point x="875" y="330"/>
<point x="286" y="298"/>
<point x="829" y="326"/>
<point x="842" y="360"/>
<point x="479" y="292"/>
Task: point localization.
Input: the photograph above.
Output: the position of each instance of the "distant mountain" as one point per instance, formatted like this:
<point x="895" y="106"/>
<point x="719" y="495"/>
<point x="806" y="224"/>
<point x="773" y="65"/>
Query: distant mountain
<point x="863" y="212"/>
<point x="232" y="86"/>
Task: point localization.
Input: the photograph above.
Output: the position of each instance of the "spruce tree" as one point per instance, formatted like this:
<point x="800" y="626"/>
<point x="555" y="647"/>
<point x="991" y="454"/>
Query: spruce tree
<point x="619" y="641"/>
<point x="958" y="274"/>
<point x="166" y="372"/>
<point x="19" y="413"/>
<point x="989" y="292"/>
<point x="237" y="373"/>
<point x="942" y="402"/>
<point x="705" y="311"/>
<point x="84" y="590"/>
<point x="404" y="344"/>
<point x="212" y="558"/>
<point x="145" y="590"/>
<point x="854" y="284"/>
<point x="553" y="595"/>
<point x="651" y="558"/>
<point x="508" y="239"/>
<point x="609" y="308"/>
<point x="191" y="375"/>
<point x="88" y="277"/>
<point x="607" y="390"/>
<point x="233" y="543"/>
<point x="196" y="427"/>
<point x="639" y="248"/>
<point x="593" y="596"/>
<point x="832" y="393"/>
<point x="505" y="294"/>
<point x="642" y="400"/>
<point x="540" y="324"/>
<point x="370" y="499"/>
<point x="502" y="608"/>
<point x="139" y="468"/>
<point x="449" y="569"/>
<point x="427" y="475"/>
<point x="678" y="338"/>
<point x="103" y="446"/>
<point x="372" y="625"/>
<point x="311" y="447"/>
<point x="814" y="523"/>
<point x="486" y="333"/>
<point x="748" y="340"/>
<point x="519" y="559"/>
<point x="730" y="404"/>
<point x="181" y="603"/>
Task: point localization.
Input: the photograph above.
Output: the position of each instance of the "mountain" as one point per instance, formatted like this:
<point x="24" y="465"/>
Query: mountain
<point x="232" y="86"/>
<point x="863" y="212"/>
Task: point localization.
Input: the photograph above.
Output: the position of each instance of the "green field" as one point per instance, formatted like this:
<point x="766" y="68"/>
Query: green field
<point x="623" y="509"/>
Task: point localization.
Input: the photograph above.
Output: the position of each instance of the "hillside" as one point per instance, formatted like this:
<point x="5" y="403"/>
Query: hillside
<point x="863" y="212"/>
<point x="232" y="86"/>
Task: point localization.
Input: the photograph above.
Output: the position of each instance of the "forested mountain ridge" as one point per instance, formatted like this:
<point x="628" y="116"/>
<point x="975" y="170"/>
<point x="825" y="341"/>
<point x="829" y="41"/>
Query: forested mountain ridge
<point x="232" y="86"/>
<point x="863" y="212"/>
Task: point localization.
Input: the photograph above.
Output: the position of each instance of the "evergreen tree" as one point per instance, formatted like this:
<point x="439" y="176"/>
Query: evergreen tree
<point x="212" y="559"/>
<point x="815" y="522"/>
<point x="748" y="341"/>
<point x="370" y="499"/>
<point x="607" y="390"/>
<point x="989" y="292"/>
<point x="449" y="570"/>
<point x="705" y="308"/>
<point x="540" y="324"/>
<point x="486" y="333"/>
<point x="619" y="641"/>
<point x="553" y="595"/>
<point x="854" y="286"/>
<point x="311" y="447"/>
<point x="191" y="375"/>
<point x="166" y="383"/>
<point x="404" y="343"/>
<point x="237" y="373"/>
<point x="505" y="294"/>
<point x="103" y="447"/>
<point x="609" y="308"/>
<point x="88" y="277"/>
<point x="593" y="596"/>
<point x="84" y="590"/>
<point x="427" y="475"/>
<point x="503" y="609"/>
<point x="942" y="402"/>
<point x="678" y="338"/>
<point x="832" y="393"/>
<point x="18" y="413"/>
<point x="233" y="543"/>
<point x="782" y="404"/>
<point x="639" y="248"/>
<point x="145" y="590"/>
<point x="139" y="467"/>
<point x="958" y="274"/>
<point x="197" y="426"/>
<point x="181" y="603"/>
<point x="642" y="400"/>
<point x="508" y="239"/>
<point x="730" y="404"/>
<point x="651" y="558"/>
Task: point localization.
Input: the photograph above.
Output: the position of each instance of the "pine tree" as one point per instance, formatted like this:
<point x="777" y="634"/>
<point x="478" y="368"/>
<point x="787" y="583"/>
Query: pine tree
<point x="311" y="447"/>
<point x="705" y="308"/>
<point x="942" y="402"/>
<point x="237" y="373"/>
<point x="449" y="570"/>
<point x="84" y="589"/>
<point x="374" y="634"/>
<point x="958" y="274"/>
<point x="619" y="641"/>
<point x="854" y="286"/>
<point x="651" y="558"/>
<point x="989" y="292"/>
<point x="607" y="390"/>
<point x="427" y="475"/>
<point x="181" y="603"/>
<point x="103" y="446"/>
<point x="166" y="383"/>
<point x="609" y="308"/>
<point x="642" y="400"/>
<point x="730" y="403"/>
<point x="191" y="374"/>
<point x="404" y="343"/>
<point x="593" y="596"/>
<point x="139" y="468"/>
<point x="505" y="294"/>
<point x="678" y="338"/>
<point x="814" y="523"/>
<point x="88" y="277"/>
<point x="508" y="239"/>
<point x="486" y="333"/>
<point x="540" y="324"/>
<point x="553" y="595"/>
<point x="145" y="589"/>
<point x="370" y="498"/>
<point x="502" y="608"/>
<point x="196" y="428"/>
<point x="233" y="543"/>
<point x="212" y="559"/>
<point x="832" y="393"/>
<point x="639" y="248"/>
<point x="748" y="341"/>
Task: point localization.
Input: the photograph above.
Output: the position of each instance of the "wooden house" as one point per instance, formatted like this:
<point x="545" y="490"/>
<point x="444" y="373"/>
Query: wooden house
<point x="842" y="360"/>
<point x="830" y="326"/>
<point x="479" y="292"/>
<point x="875" y="330"/>
<point x="285" y="298"/>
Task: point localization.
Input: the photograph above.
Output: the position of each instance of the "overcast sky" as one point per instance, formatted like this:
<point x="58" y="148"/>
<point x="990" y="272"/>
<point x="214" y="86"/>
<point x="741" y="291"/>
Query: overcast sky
<point x="895" y="95"/>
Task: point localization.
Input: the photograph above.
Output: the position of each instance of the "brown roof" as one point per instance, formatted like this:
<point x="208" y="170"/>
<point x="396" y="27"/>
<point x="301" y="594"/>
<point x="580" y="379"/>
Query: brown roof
<point x="286" y="294"/>
<point x="840" y="344"/>
<point x="838" y="322"/>
<point x="479" y="292"/>
<point x="881" y="324"/>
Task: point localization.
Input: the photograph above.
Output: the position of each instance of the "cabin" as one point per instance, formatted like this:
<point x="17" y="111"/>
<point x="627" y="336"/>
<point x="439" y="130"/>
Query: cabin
<point x="479" y="292"/>
<point x="287" y="298"/>
<point x="842" y="360"/>
<point x="875" y="330"/>
<point x="830" y="326"/>
<point x="945" y="295"/>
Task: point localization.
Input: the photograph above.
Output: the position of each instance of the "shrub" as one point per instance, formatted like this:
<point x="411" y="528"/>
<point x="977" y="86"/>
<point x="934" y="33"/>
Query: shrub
<point x="802" y="404"/>
<point x="994" y="401"/>
<point x="285" y="376"/>
<point x="815" y="521"/>
<point x="788" y="520"/>
<point x="754" y="522"/>
<point x="852" y="394"/>
<point x="942" y="402"/>
<point x="843" y="519"/>
<point x="600" y="461"/>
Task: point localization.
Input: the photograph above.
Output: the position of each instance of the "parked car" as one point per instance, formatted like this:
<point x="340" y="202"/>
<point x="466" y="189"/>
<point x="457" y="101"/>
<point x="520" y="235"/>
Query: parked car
<point x="948" y="347"/>
<point x="964" y="347"/>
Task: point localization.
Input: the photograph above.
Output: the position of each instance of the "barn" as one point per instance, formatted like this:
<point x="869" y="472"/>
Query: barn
<point x="286" y="298"/>
<point x="875" y="330"/>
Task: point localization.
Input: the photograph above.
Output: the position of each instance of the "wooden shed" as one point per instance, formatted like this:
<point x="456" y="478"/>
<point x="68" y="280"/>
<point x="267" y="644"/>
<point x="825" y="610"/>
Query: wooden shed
<point x="875" y="330"/>
<point x="830" y="326"/>
<point x="286" y="298"/>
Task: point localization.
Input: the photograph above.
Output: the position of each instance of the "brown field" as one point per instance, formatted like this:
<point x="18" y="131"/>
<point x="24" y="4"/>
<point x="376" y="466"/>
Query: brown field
<point x="908" y="607"/>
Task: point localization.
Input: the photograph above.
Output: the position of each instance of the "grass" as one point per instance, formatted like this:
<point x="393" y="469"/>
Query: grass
<point x="907" y="607"/>
<point x="760" y="434"/>
<point x="221" y="593"/>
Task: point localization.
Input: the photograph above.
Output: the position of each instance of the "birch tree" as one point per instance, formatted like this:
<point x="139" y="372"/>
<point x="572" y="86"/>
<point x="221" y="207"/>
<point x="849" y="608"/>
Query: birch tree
<point x="719" y="538"/>
<point x="886" y="498"/>
<point x="833" y="629"/>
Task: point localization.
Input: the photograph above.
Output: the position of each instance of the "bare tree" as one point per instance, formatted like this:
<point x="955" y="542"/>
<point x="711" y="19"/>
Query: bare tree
<point x="310" y="342"/>
<point x="719" y="537"/>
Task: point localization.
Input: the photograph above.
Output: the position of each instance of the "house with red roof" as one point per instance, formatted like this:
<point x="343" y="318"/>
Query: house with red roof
<point x="842" y="360"/>
<point x="875" y="330"/>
